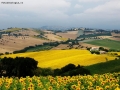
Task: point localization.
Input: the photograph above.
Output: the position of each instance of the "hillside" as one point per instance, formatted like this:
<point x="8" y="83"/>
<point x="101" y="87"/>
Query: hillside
<point x="16" y="39"/>
<point x="68" y="34"/>
<point x="112" y="44"/>
<point x="106" y="67"/>
<point x="60" y="58"/>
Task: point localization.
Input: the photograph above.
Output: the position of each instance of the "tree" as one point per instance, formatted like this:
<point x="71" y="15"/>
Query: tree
<point x="25" y="66"/>
<point x="72" y="70"/>
<point x="68" y="67"/>
<point x="18" y="66"/>
<point x="101" y="48"/>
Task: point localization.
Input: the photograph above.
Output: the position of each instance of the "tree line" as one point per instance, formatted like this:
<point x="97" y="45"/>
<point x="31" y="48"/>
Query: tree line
<point x="25" y="66"/>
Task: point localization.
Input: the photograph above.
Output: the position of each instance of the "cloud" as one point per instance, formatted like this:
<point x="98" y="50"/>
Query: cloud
<point x="36" y="5"/>
<point x="104" y="15"/>
<point x="86" y="1"/>
<point x="60" y="12"/>
<point x="107" y="10"/>
<point x="111" y="8"/>
<point x="40" y="9"/>
<point x="78" y="6"/>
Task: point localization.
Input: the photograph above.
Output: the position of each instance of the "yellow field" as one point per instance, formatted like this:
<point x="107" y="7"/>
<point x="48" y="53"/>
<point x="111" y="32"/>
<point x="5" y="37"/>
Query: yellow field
<point x="60" y="58"/>
<point x="108" y="81"/>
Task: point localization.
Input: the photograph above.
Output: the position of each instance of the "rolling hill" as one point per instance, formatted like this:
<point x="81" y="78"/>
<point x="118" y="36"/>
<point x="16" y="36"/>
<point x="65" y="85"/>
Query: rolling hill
<point x="60" y="58"/>
<point x="112" y="44"/>
<point x="18" y="38"/>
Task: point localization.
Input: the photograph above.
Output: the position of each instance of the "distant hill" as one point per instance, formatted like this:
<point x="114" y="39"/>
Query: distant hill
<point x="55" y="28"/>
<point x="13" y="39"/>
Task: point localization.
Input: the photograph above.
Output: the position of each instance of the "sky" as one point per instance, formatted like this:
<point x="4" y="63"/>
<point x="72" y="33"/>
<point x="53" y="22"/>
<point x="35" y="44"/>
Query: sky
<point x="103" y="14"/>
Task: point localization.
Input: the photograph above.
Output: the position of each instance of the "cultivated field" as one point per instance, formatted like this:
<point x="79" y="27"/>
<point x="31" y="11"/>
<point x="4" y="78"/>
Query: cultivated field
<point x="108" y="81"/>
<point x="112" y="44"/>
<point x="87" y="45"/>
<point x="12" y="43"/>
<point x="60" y="58"/>
<point x="28" y="32"/>
<point x="61" y="46"/>
<point x="20" y="38"/>
<point x="115" y="34"/>
<point x="53" y="37"/>
<point x="69" y="34"/>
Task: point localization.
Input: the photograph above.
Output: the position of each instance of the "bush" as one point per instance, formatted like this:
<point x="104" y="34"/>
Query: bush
<point x="57" y="72"/>
<point x="95" y="52"/>
<point x="46" y="71"/>
<point x="68" y="68"/>
<point x="6" y="53"/>
<point x="1" y="54"/>
<point x="72" y="70"/>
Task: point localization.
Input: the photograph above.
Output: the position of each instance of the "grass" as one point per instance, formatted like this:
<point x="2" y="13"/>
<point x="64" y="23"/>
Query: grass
<point x="60" y="58"/>
<point x="105" y="67"/>
<point x="106" y="43"/>
<point x="61" y="38"/>
<point x="13" y="29"/>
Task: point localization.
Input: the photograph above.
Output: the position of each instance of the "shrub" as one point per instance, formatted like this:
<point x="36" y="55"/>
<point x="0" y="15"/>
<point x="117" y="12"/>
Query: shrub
<point x="67" y="68"/>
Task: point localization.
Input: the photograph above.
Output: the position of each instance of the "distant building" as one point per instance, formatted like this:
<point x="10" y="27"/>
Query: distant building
<point x="94" y="49"/>
<point x="4" y="34"/>
<point x="70" y="43"/>
<point x="103" y="52"/>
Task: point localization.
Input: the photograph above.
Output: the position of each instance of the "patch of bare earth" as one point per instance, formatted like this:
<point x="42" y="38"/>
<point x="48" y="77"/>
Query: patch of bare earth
<point x="115" y="34"/>
<point x="61" y="46"/>
<point x="29" y="32"/>
<point x="52" y="37"/>
<point x="115" y="37"/>
<point x="69" y="34"/>
<point x="87" y="45"/>
<point x="12" y="43"/>
<point x="105" y="37"/>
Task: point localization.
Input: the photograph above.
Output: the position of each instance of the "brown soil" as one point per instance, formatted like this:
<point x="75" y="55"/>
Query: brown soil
<point x="52" y="37"/>
<point x="61" y="46"/>
<point x="12" y="43"/>
<point x="69" y="34"/>
<point x="29" y="32"/>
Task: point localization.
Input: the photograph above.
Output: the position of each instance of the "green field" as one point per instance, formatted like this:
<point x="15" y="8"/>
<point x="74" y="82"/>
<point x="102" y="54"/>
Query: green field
<point x="106" y="43"/>
<point x="105" y="67"/>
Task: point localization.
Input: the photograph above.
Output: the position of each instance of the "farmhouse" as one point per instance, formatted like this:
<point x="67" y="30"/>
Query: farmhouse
<point x="94" y="49"/>
<point x="4" y="34"/>
<point x="103" y="52"/>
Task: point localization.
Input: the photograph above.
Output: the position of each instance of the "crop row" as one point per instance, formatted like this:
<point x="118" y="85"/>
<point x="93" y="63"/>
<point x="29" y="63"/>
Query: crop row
<point x="60" y="58"/>
<point x="108" y="81"/>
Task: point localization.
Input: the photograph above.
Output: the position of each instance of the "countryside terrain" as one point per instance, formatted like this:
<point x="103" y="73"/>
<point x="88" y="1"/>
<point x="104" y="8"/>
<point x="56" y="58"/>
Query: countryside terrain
<point x="59" y="58"/>
<point x="74" y="59"/>
<point x="55" y="49"/>
<point x="14" y="39"/>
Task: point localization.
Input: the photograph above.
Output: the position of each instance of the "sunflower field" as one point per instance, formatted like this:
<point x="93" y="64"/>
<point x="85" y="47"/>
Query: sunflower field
<point x="108" y="81"/>
<point x="60" y="58"/>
